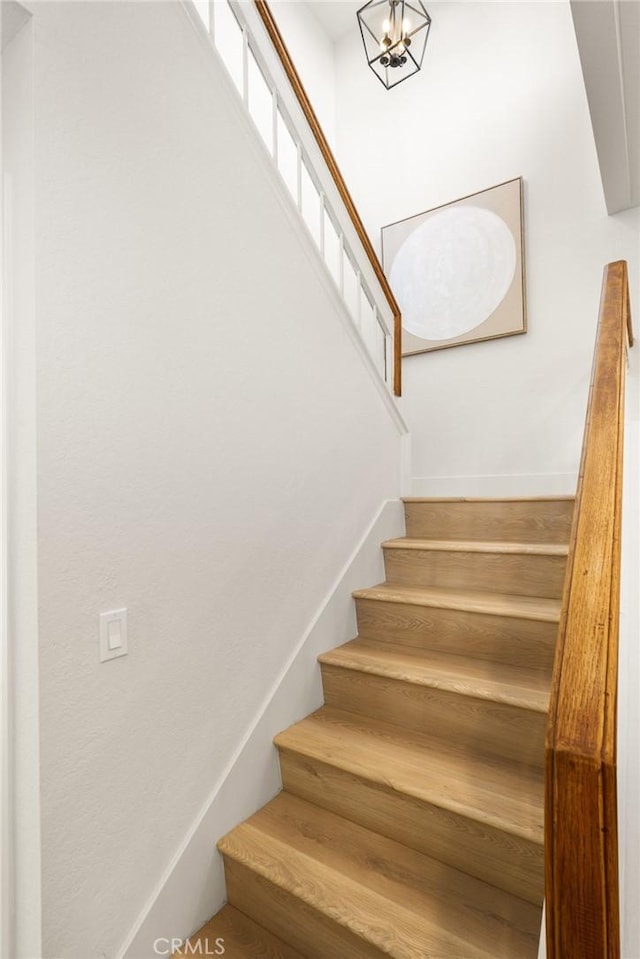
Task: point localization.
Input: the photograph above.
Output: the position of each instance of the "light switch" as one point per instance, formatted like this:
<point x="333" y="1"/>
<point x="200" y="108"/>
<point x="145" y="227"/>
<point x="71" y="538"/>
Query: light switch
<point x="113" y="634"/>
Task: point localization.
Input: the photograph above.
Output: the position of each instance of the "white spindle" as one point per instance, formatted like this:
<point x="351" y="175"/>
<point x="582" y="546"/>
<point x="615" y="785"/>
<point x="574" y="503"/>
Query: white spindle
<point x="323" y="200"/>
<point x="275" y="126"/>
<point x="361" y="293"/>
<point x="299" y="174"/>
<point x="245" y="66"/>
<point x="388" y="350"/>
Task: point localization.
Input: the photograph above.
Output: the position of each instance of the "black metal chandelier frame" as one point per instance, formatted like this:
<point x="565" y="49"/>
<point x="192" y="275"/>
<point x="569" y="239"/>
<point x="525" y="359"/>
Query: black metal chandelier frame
<point x="394" y="34"/>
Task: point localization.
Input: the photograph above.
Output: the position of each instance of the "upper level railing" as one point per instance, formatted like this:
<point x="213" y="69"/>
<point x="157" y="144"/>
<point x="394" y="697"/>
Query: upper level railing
<point x="250" y="45"/>
<point x="581" y="842"/>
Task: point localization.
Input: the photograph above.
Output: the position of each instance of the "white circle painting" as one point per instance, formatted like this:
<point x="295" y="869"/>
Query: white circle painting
<point x="453" y="271"/>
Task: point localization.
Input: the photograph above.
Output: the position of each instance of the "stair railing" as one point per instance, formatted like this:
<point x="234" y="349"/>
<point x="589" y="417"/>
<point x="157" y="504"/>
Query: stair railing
<point x="581" y="841"/>
<point x="247" y="38"/>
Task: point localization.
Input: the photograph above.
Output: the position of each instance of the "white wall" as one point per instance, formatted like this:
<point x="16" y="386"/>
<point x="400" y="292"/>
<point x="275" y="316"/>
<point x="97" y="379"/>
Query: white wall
<point x="500" y="95"/>
<point x="210" y="447"/>
<point x="313" y="55"/>
<point x="629" y="669"/>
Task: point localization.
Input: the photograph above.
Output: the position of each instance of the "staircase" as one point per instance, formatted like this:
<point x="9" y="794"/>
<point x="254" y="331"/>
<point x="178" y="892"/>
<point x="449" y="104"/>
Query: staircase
<point x="411" y="819"/>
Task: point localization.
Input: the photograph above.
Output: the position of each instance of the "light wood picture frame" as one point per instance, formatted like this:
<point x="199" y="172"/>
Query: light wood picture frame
<point x="458" y="270"/>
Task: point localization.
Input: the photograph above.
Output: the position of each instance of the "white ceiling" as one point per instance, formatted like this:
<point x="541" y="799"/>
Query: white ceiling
<point x="336" y="17"/>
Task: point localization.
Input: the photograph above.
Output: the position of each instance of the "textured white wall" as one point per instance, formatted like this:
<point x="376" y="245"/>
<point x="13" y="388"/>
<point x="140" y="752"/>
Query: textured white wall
<point x="210" y="447"/>
<point x="500" y="95"/>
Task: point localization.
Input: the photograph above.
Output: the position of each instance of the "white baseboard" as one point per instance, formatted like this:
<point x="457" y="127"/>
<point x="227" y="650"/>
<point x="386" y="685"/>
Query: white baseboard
<point x="542" y="944"/>
<point x="192" y="888"/>
<point x="506" y="484"/>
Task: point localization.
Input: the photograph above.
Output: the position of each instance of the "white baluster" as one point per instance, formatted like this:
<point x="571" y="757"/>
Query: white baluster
<point x="245" y="66"/>
<point x="323" y="201"/>
<point x="275" y="126"/>
<point x="388" y="351"/>
<point x="299" y="175"/>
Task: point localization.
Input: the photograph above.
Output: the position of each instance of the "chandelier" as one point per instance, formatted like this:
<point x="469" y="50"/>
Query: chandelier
<point x="394" y="33"/>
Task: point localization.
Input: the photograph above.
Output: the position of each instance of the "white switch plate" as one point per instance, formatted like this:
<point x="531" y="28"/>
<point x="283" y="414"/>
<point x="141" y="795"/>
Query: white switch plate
<point x="113" y="635"/>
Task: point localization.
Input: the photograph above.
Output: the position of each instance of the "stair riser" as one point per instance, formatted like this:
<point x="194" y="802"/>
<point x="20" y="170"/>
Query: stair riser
<point x="299" y="924"/>
<point x="241" y="938"/>
<point x="509" y="862"/>
<point x="517" y="574"/>
<point x="528" y="521"/>
<point x="496" y="638"/>
<point x="485" y="725"/>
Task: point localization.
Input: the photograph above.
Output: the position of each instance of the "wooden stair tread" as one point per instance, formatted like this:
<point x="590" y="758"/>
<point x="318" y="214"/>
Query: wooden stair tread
<point x="399" y="901"/>
<point x="502" y="794"/>
<point x="476" y="546"/>
<point x="488" y="499"/>
<point x="482" y="679"/>
<point x="241" y="938"/>
<point x="478" y="601"/>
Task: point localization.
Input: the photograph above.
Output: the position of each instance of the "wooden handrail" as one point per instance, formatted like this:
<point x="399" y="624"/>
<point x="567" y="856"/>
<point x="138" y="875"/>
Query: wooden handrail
<point x="581" y="843"/>
<point x="292" y="74"/>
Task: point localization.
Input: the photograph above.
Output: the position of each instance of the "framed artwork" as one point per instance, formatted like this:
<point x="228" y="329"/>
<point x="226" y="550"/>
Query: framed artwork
<point x="457" y="271"/>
